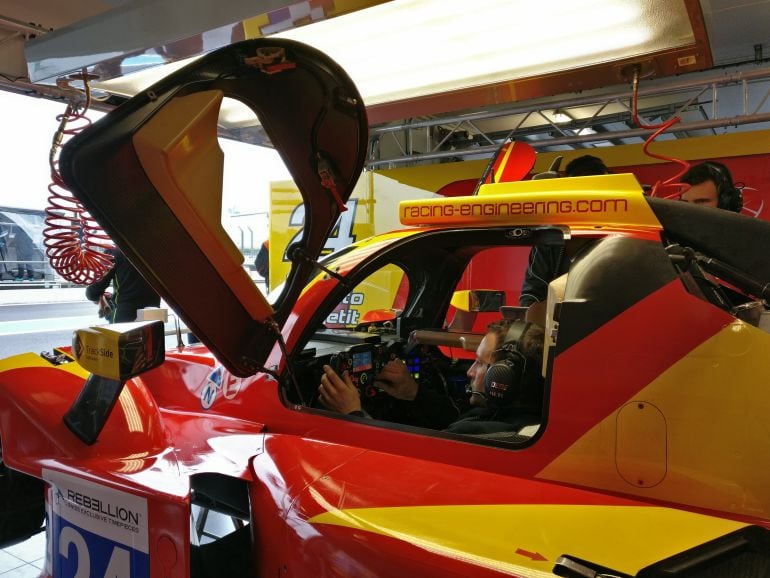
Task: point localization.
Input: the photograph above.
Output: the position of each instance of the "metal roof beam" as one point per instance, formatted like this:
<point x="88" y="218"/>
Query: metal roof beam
<point x="570" y="140"/>
<point x="139" y="27"/>
<point x="754" y="80"/>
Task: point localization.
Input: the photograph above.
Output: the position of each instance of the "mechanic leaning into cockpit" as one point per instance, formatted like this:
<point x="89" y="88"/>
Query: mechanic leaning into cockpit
<point x="506" y="386"/>
<point x="546" y="262"/>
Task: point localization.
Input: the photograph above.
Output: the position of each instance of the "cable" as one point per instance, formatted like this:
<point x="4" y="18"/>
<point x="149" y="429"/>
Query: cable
<point x="76" y="246"/>
<point x="673" y="182"/>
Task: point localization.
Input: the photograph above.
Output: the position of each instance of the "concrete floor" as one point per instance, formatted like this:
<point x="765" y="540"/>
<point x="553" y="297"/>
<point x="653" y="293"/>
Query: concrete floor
<point x="24" y="560"/>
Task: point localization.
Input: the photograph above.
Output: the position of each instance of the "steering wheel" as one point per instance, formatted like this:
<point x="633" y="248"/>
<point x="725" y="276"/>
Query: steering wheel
<point x="365" y="361"/>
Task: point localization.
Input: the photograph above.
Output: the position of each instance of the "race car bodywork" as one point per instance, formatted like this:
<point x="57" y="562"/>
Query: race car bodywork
<point x="646" y="460"/>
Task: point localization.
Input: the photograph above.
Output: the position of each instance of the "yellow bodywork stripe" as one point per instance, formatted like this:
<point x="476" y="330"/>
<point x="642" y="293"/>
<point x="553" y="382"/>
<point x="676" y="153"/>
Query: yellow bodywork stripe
<point x="703" y="446"/>
<point x="597" y="201"/>
<point x="506" y="156"/>
<point x="31" y="360"/>
<point x="509" y="537"/>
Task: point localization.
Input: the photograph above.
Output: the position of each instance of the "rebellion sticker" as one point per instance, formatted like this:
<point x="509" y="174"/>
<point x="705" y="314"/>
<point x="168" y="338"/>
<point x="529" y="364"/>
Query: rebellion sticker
<point x="95" y="531"/>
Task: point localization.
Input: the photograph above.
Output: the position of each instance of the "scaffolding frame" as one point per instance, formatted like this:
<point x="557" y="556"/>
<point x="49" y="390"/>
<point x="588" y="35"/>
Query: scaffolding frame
<point x="590" y="119"/>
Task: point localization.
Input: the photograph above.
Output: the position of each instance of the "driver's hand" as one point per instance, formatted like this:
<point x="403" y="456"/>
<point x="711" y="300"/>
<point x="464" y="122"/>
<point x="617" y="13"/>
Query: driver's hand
<point x="338" y="393"/>
<point x="395" y="380"/>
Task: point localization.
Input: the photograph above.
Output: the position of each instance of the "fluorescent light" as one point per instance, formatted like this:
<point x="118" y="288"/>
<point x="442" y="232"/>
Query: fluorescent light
<point x="407" y="48"/>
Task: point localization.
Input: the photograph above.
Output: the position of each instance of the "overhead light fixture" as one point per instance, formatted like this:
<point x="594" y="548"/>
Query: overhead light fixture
<point x="559" y="117"/>
<point x="405" y="49"/>
<point x="436" y="46"/>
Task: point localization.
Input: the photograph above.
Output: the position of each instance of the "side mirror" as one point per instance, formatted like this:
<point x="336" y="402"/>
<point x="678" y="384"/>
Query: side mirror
<point x="478" y="300"/>
<point x="113" y="354"/>
<point x="468" y="303"/>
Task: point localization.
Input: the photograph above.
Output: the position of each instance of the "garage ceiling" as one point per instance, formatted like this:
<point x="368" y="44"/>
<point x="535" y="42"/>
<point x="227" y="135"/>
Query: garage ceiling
<point x="717" y="52"/>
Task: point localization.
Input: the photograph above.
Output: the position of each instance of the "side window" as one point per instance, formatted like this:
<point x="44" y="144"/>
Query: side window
<point x="379" y="297"/>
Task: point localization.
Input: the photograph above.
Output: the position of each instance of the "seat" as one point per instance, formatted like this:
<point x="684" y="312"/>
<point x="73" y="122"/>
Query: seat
<point x="536" y="313"/>
<point x="556" y="289"/>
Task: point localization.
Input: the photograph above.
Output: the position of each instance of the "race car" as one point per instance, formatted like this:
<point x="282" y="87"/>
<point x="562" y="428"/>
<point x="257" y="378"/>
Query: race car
<point x="648" y="455"/>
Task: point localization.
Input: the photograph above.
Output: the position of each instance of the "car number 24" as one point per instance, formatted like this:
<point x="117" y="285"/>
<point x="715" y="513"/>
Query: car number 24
<point x="95" y="531"/>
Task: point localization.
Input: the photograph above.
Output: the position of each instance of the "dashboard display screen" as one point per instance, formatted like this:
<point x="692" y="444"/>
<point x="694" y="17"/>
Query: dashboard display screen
<point x="361" y="361"/>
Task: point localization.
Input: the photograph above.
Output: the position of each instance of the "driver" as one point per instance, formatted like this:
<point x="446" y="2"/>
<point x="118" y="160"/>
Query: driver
<point x="510" y="395"/>
<point x="338" y="393"/>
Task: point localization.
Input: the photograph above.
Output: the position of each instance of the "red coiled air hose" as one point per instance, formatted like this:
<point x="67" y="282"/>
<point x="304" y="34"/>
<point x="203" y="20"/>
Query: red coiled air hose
<point x="673" y="182"/>
<point x="75" y="244"/>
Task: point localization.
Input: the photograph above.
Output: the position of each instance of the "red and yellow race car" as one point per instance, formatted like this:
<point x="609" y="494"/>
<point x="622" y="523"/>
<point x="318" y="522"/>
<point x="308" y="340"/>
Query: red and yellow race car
<point x="648" y="456"/>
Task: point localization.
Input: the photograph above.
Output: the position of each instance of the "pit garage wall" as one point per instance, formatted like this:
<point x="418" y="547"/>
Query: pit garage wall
<point x="746" y="154"/>
<point x="373" y="207"/>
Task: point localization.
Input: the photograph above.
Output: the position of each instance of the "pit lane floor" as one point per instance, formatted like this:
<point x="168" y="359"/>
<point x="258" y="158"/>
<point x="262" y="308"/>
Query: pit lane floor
<point x="24" y="560"/>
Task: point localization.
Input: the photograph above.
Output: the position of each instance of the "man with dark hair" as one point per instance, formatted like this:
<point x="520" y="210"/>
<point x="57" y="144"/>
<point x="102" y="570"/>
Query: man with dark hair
<point x="131" y="291"/>
<point x="262" y="262"/>
<point x="547" y="262"/>
<point x="711" y="185"/>
<point x="585" y="166"/>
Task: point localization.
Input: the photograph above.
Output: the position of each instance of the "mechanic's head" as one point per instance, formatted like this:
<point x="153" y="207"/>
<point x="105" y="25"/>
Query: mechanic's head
<point x="491" y="342"/>
<point x="586" y="165"/>
<point x="711" y="185"/>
